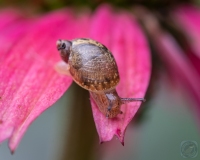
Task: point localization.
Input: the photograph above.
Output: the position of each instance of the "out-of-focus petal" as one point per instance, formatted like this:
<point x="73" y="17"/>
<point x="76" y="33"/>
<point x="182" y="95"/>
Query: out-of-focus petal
<point x="188" y="19"/>
<point x="10" y="20"/>
<point x="29" y="83"/>
<point x="122" y="35"/>
<point x="173" y="56"/>
<point x="8" y="16"/>
<point x="178" y="64"/>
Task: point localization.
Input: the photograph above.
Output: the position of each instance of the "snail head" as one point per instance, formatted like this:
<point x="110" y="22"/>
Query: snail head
<point x="114" y="104"/>
<point x="63" y="47"/>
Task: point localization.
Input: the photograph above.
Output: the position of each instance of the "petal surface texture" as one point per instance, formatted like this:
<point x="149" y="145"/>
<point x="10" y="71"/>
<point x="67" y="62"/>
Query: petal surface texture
<point x="29" y="83"/>
<point x="124" y="38"/>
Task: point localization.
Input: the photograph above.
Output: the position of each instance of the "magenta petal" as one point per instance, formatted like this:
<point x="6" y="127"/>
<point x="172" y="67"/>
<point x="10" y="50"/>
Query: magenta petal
<point x="179" y="65"/>
<point x="176" y="61"/>
<point x="188" y="19"/>
<point x="131" y="51"/>
<point x="29" y="84"/>
<point x="8" y="16"/>
<point x="10" y="20"/>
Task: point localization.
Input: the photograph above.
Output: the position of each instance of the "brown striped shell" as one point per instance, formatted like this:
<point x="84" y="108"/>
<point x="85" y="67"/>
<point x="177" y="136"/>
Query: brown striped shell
<point x="92" y="65"/>
<point x="94" y="68"/>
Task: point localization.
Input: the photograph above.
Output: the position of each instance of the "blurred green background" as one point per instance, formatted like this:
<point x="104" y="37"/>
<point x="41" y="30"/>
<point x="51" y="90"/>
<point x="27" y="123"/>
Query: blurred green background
<point x="57" y="134"/>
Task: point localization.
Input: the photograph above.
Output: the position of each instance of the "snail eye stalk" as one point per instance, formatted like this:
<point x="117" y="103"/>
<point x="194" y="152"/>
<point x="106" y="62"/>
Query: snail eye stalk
<point x="77" y="53"/>
<point x="60" y="45"/>
<point x="63" y="46"/>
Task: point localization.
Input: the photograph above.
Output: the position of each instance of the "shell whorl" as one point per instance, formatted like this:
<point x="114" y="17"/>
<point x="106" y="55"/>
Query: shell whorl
<point x="93" y="66"/>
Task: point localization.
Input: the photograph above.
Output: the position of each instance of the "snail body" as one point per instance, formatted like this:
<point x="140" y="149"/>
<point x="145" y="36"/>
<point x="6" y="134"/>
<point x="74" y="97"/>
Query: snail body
<point x="94" y="68"/>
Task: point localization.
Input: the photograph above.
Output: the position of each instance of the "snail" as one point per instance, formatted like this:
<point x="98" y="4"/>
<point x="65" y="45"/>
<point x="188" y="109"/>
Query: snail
<point x="93" y="67"/>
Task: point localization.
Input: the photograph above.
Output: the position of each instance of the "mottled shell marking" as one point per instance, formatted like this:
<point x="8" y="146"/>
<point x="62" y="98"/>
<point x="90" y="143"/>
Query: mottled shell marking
<point x="93" y="66"/>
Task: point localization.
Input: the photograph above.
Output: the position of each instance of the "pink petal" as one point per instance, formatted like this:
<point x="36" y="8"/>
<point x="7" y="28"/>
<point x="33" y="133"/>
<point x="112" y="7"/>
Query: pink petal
<point x="187" y="18"/>
<point x="175" y="59"/>
<point x="29" y="84"/>
<point x="10" y="20"/>
<point x="179" y="65"/>
<point x="131" y="51"/>
<point x="8" y="16"/>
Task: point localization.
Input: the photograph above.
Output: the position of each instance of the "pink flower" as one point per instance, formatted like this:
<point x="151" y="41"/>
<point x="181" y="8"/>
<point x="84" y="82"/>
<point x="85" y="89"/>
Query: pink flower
<point x="187" y="17"/>
<point x="29" y="83"/>
<point x="173" y="56"/>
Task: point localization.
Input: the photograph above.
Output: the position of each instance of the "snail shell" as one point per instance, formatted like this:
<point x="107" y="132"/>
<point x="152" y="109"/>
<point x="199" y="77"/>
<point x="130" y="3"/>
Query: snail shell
<point x="94" y="68"/>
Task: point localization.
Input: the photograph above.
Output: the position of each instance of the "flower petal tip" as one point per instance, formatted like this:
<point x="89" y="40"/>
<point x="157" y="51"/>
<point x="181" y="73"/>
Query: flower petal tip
<point x="134" y="68"/>
<point x="118" y="132"/>
<point x="29" y="88"/>
<point x="12" y="152"/>
<point x="120" y="136"/>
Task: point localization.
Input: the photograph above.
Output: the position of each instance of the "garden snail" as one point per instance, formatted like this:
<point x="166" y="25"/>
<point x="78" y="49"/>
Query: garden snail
<point x="94" y="68"/>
